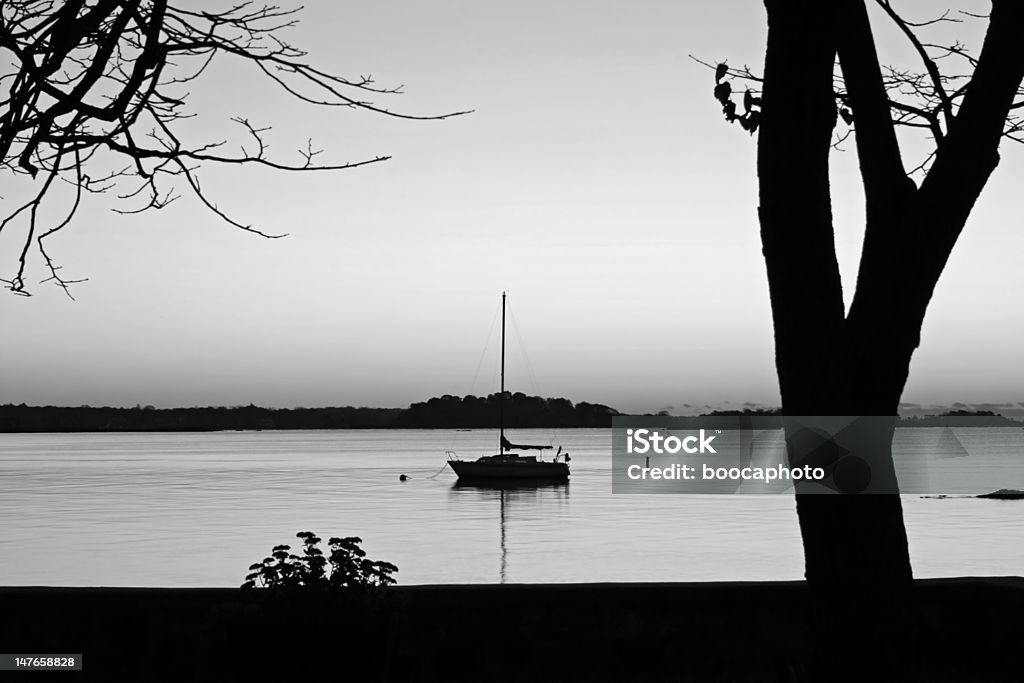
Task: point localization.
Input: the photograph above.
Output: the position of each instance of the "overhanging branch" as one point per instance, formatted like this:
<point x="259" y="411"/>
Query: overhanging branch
<point x="100" y="80"/>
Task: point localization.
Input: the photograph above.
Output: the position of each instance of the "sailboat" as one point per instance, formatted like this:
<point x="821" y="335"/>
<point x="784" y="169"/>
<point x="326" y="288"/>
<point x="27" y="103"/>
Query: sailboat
<point x="505" y="465"/>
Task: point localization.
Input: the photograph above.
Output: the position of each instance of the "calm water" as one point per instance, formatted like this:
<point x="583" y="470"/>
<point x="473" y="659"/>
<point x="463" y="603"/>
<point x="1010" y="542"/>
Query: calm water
<point x="198" y="509"/>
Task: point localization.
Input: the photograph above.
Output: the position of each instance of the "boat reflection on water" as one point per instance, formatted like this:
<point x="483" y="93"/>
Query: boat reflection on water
<point x="509" y="495"/>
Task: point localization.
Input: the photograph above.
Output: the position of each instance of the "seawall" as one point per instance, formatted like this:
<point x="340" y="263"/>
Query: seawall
<point x="965" y="629"/>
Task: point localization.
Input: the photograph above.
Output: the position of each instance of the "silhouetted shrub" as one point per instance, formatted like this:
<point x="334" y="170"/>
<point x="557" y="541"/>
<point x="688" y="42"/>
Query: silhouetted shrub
<point x="346" y="566"/>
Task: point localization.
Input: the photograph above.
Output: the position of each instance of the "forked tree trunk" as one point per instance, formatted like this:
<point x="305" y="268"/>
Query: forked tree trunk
<point x="853" y="545"/>
<point x="833" y="363"/>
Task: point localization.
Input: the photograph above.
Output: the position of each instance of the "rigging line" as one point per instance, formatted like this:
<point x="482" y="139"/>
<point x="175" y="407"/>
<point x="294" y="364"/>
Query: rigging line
<point x="522" y="351"/>
<point x="487" y="343"/>
<point x="535" y="388"/>
<point x="479" y="364"/>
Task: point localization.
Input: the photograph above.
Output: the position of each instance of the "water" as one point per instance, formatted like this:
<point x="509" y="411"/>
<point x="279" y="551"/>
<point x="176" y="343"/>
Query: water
<point x="198" y="509"/>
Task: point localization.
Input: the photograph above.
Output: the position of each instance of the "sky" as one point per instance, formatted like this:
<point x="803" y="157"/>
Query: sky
<point x="595" y="182"/>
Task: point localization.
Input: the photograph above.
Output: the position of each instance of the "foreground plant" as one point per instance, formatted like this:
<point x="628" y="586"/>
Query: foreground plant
<point x="345" y="566"/>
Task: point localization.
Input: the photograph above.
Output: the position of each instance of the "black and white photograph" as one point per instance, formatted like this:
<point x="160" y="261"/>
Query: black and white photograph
<point x="396" y="341"/>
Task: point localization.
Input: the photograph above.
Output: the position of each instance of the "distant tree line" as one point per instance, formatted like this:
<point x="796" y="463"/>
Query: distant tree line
<point x="520" y="410"/>
<point x="772" y="418"/>
<point x="746" y="412"/>
<point x="443" y="412"/>
<point x="979" y="418"/>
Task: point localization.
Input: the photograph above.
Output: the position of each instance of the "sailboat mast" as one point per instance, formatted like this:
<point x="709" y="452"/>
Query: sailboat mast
<point x="501" y="396"/>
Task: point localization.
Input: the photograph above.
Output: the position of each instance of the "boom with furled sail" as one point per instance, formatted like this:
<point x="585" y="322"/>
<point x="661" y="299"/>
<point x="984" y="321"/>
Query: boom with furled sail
<point x="508" y="446"/>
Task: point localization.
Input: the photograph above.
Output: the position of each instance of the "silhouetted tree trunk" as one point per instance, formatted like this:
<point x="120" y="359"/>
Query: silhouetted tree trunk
<point x="831" y="362"/>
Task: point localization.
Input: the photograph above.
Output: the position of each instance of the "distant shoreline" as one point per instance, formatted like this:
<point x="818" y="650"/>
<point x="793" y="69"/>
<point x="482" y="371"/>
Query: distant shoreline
<point x="445" y="412"/>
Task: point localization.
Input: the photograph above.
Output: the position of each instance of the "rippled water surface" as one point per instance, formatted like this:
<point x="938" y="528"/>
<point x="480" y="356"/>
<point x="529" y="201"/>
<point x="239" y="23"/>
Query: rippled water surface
<point x="198" y="509"/>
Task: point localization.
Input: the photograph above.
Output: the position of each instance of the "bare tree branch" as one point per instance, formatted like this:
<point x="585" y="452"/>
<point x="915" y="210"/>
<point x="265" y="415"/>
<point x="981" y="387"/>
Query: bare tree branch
<point x="103" y="78"/>
<point x="928" y="101"/>
<point x="945" y="104"/>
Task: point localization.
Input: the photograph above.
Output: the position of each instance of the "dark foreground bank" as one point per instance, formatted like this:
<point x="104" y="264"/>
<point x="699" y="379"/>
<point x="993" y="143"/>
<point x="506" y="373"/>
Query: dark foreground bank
<point x="963" y="629"/>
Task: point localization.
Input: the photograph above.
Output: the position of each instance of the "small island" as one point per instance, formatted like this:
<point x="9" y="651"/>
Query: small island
<point x="444" y="412"/>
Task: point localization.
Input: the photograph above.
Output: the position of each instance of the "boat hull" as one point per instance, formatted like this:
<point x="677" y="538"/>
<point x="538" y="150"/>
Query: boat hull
<point x="525" y="470"/>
